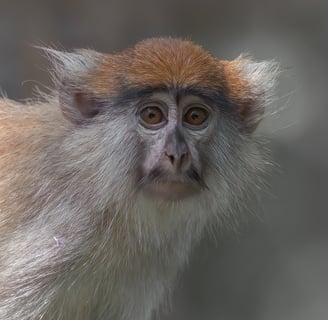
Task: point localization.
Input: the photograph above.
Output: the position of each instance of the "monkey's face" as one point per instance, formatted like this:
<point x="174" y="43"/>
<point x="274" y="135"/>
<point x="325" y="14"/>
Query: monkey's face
<point x="172" y="128"/>
<point x="165" y="117"/>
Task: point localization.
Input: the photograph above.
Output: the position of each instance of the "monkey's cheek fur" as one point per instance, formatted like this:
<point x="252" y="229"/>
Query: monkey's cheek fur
<point x="170" y="190"/>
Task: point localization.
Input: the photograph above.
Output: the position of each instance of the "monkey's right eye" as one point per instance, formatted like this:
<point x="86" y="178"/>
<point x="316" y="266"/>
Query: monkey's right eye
<point x="152" y="115"/>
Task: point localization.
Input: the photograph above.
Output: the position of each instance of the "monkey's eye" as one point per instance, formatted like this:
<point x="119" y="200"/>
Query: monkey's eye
<point x="196" y="116"/>
<point x="152" y="115"/>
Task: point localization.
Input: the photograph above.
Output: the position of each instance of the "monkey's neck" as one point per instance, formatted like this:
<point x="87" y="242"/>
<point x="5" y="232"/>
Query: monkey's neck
<point x="132" y="263"/>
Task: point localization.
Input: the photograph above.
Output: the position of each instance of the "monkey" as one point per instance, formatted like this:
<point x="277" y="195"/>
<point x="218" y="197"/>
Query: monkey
<point x="109" y="181"/>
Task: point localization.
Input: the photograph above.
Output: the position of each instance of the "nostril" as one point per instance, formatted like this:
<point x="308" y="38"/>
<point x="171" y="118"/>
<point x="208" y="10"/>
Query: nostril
<point x="171" y="157"/>
<point x="184" y="157"/>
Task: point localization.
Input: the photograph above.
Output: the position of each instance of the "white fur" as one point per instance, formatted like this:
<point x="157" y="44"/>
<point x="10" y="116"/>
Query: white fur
<point x="71" y="65"/>
<point x="261" y="77"/>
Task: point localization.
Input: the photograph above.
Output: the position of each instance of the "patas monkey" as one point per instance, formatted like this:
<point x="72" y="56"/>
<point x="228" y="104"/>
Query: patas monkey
<point x="106" y="185"/>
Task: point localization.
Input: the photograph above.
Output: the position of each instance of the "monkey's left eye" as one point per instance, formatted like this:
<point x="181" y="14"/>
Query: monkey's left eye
<point x="152" y="115"/>
<point x="196" y="116"/>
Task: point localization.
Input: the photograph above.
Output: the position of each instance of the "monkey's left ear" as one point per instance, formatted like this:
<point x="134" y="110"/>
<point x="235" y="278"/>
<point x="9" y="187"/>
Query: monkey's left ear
<point x="70" y="73"/>
<point x="250" y="87"/>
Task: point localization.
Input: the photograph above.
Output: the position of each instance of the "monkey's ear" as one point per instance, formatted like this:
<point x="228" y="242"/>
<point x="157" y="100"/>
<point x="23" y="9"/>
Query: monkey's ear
<point x="250" y="86"/>
<point x="70" y="73"/>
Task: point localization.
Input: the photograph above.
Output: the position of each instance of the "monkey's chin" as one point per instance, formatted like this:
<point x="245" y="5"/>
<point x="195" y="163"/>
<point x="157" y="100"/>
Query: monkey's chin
<point x="170" y="190"/>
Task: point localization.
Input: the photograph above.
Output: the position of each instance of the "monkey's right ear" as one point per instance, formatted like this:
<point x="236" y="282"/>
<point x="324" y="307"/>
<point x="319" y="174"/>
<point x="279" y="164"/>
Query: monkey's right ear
<point x="70" y="71"/>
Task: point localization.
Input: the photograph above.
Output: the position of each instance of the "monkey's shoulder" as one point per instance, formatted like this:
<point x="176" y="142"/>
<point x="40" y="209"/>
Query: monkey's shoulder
<point x="24" y="127"/>
<point x="27" y="115"/>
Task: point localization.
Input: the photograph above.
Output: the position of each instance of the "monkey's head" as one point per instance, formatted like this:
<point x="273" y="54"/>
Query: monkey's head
<point x="179" y="121"/>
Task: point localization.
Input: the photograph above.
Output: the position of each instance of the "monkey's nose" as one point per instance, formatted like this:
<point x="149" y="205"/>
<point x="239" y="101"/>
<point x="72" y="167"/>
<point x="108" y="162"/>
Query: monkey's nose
<point x="177" y="160"/>
<point x="176" y="151"/>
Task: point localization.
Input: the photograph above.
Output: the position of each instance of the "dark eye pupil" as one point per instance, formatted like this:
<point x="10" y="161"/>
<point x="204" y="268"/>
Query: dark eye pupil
<point x="151" y="115"/>
<point x="194" y="116"/>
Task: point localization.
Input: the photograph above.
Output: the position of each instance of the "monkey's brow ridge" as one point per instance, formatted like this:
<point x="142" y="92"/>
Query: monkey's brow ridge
<point x="214" y="97"/>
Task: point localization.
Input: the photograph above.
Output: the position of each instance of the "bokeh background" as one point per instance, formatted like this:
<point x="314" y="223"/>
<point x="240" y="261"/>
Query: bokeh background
<point x="276" y="266"/>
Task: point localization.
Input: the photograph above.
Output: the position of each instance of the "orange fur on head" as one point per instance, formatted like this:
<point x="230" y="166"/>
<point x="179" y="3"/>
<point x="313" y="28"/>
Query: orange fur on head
<point x="159" y="62"/>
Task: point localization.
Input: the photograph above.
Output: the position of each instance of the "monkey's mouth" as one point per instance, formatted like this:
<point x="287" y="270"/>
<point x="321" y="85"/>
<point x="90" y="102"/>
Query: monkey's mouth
<point x="159" y="184"/>
<point x="170" y="190"/>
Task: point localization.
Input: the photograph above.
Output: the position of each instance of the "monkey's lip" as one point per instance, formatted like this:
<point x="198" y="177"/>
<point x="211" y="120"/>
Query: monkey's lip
<point x="170" y="190"/>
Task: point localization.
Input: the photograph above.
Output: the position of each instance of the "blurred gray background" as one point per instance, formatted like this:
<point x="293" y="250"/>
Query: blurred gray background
<point x="276" y="266"/>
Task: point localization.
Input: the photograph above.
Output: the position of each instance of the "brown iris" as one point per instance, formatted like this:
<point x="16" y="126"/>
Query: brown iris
<point x="152" y="115"/>
<point x="196" y="116"/>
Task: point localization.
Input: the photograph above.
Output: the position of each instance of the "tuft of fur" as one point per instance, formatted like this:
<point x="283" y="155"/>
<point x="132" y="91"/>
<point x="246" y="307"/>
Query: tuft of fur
<point x="77" y="240"/>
